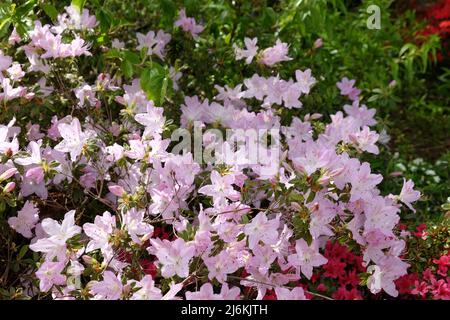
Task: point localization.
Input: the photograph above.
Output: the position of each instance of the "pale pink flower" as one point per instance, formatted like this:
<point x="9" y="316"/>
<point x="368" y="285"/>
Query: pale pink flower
<point x="36" y="174"/>
<point x="79" y="47"/>
<point x="385" y="273"/>
<point x="305" y="80"/>
<point x="206" y="292"/>
<point x="54" y="244"/>
<point x="147" y="290"/>
<point x="26" y="219"/>
<point x="35" y="155"/>
<point x="80" y="20"/>
<point x="363" y="182"/>
<point x="155" y="43"/>
<point x="153" y="121"/>
<point x="15" y="72"/>
<point x="9" y="92"/>
<point x="5" y="62"/>
<point x="220" y="266"/>
<point x="110" y="288"/>
<point x="250" y="51"/>
<point x="306" y="258"/>
<point x="137" y="229"/>
<point x="86" y="93"/>
<point x="275" y="54"/>
<point x="117" y="44"/>
<point x="74" y="138"/>
<point x="173" y="256"/>
<point x="365" y="140"/>
<point x="34" y="183"/>
<point x="221" y="188"/>
<point x="293" y="294"/>
<point x="364" y="116"/>
<point x="262" y="229"/>
<point x="347" y="88"/>
<point x="14" y="38"/>
<point x="33" y="132"/>
<point x="99" y="231"/>
<point x="49" y="274"/>
<point x="408" y="194"/>
<point x="188" y="24"/>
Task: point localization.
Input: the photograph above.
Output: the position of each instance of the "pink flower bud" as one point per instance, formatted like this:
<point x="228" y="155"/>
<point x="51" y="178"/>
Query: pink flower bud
<point x="318" y="43"/>
<point x="116" y="190"/>
<point x="9" y="187"/>
<point x="8" y="174"/>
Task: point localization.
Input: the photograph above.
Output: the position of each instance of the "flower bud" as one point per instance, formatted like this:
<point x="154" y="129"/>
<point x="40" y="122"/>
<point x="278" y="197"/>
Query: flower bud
<point x="8" y="174"/>
<point x="116" y="190"/>
<point x="318" y="43"/>
<point x="9" y="187"/>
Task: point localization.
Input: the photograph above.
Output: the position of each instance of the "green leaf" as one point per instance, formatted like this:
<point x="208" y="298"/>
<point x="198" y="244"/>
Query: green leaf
<point x="152" y="82"/>
<point x="269" y="17"/>
<point x="127" y="68"/>
<point x="23" y="10"/>
<point x="104" y="19"/>
<point x="169" y="8"/>
<point x="191" y="6"/>
<point x="4" y="25"/>
<point x="22" y="252"/>
<point x="50" y="10"/>
<point x="132" y="57"/>
<point x="79" y="4"/>
<point x="113" y="53"/>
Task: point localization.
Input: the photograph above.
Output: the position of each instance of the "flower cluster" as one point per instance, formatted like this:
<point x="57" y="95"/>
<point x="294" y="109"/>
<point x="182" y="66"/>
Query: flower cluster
<point x="269" y="56"/>
<point x="172" y="226"/>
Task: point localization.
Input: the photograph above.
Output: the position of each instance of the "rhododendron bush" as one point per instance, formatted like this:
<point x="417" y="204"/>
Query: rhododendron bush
<point x="121" y="178"/>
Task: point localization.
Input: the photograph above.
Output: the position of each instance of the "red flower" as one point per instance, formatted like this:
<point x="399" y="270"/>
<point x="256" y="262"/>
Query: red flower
<point x="442" y="264"/>
<point x="440" y="290"/>
<point x="270" y="295"/>
<point x="343" y="294"/>
<point x="405" y="283"/>
<point x="148" y="267"/>
<point x="351" y="278"/>
<point x="420" y="289"/>
<point x="334" y="269"/>
<point x="420" y="230"/>
<point x="322" y="288"/>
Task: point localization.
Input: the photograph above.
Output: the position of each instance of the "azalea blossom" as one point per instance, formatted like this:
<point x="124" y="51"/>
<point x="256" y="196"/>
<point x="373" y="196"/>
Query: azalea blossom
<point x="54" y="244"/>
<point x="275" y="54"/>
<point x="250" y="51"/>
<point x="408" y="194"/>
<point x="74" y="139"/>
<point x="262" y="229"/>
<point x="306" y="258"/>
<point x="110" y="288"/>
<point x="49" y="274"/>
<point x="221" y="188"/>
<point x="26" y="219"/>
<point x="188" y="24"/>
<point x="174" y="256"/>
<point x="99" y="231"/>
